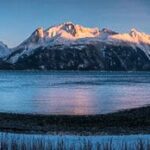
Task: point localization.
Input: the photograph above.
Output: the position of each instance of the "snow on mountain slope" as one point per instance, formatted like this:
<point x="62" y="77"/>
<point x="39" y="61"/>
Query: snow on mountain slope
<point x="69" y="34"/>
<point x="4" y="51"/>
<point x="134" y="38"/>
<point x="71" y="31"/>
<point x="65" y="33"/>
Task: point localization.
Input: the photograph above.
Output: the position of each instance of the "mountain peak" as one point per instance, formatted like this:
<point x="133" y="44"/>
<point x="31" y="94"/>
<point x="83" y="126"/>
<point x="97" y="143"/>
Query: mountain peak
<point x="110" y="32"/>
<point x="39" y="32"/>
<point x="69" y="27"/>
<point x="3" y="45"/>
<point x="134" y="32"/>
<point x="139" y="36"/>
<point x="4" y="50"/>
<point x="68" y="33"/>
<point x="68" y="22"/>
<point x="69" y="30"/>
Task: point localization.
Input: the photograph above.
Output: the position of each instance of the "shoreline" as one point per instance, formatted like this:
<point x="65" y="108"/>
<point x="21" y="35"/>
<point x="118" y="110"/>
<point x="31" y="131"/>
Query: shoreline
<point x="125" y="122"/>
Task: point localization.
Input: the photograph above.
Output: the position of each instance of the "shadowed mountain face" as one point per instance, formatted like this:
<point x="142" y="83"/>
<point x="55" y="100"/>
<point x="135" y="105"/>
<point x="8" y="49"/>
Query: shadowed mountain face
<point x="74" y="47"/>
<point x="90" y="57"/>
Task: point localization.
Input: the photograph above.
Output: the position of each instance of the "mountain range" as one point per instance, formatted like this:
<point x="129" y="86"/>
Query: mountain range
<point x="70" y="46"/>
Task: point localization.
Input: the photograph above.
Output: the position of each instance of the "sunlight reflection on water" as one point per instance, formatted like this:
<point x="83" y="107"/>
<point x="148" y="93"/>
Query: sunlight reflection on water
<point x="72" y="92"/>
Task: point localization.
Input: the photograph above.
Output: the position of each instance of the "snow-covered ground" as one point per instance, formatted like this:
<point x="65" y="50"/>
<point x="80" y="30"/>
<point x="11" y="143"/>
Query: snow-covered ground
<point x="78" y="142"/>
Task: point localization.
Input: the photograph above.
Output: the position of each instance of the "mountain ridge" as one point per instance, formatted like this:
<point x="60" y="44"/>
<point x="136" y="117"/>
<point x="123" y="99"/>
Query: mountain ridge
<point x="74" y="47"/>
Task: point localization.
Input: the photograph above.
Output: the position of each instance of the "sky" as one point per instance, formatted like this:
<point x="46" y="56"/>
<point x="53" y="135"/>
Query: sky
<point x="19" y="18"/>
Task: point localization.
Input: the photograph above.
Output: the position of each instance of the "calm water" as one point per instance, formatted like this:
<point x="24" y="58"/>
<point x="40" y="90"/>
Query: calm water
<point x="72" y="92"/>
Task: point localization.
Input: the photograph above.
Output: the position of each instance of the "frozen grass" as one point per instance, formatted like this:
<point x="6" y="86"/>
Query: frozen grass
<point x="70" y="142"/>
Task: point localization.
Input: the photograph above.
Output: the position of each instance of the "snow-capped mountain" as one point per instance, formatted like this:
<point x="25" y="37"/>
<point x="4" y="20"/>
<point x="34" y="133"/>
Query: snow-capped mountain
<point x="66" y="33"/>
<point x="69" y="33"/>
<point x="4" y="50"/>
<point x="72" y="46"/>
<point x="133" y="36"/>
<point x="135" y="39"/>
